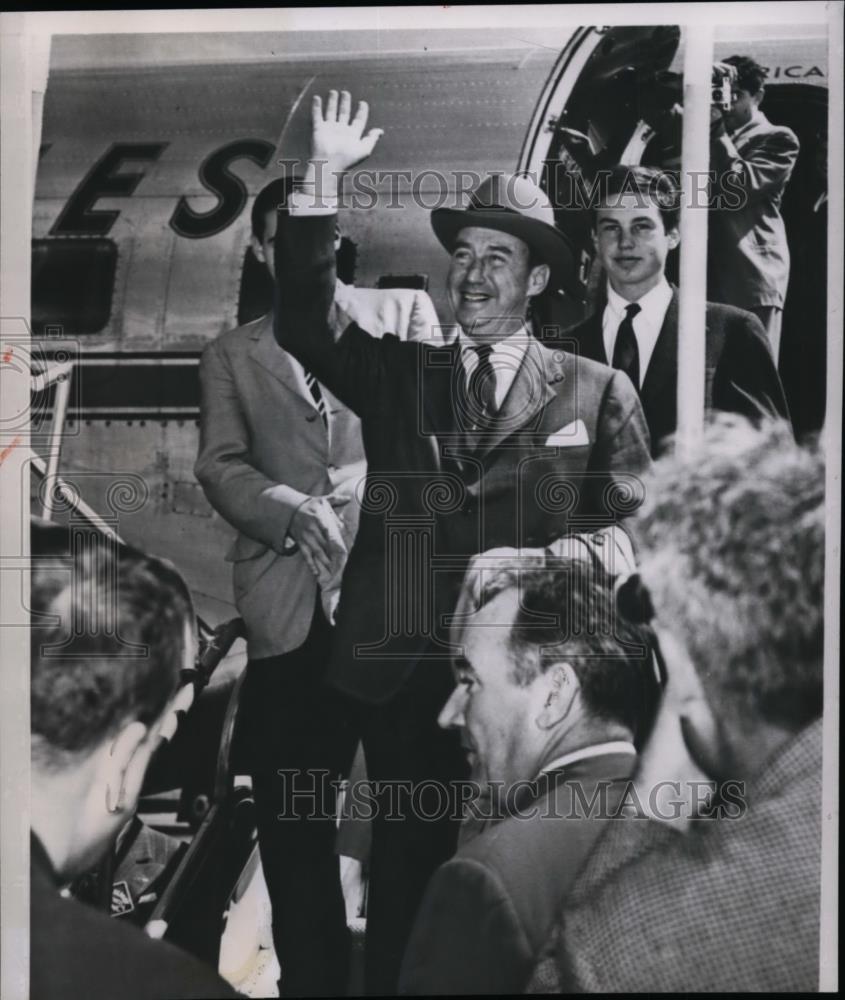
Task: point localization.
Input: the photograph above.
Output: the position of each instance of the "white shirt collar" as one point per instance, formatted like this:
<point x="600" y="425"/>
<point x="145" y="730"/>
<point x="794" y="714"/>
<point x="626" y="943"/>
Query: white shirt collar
<point x="597" y="750"/>
<point x="507" y="357"/>
<point x="647" y="323"/>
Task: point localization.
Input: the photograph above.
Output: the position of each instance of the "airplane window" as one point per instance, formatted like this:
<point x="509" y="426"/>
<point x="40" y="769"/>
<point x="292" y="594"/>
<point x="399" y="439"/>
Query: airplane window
<point x="72" y="285"/>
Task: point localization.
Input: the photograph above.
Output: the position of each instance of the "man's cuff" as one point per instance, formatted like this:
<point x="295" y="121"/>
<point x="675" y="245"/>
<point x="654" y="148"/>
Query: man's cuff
<point x="312" y="203"/>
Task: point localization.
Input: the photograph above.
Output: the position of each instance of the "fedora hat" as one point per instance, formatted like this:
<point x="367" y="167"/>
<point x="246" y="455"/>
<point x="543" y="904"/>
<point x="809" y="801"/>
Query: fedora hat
<point x="512" y="203"/>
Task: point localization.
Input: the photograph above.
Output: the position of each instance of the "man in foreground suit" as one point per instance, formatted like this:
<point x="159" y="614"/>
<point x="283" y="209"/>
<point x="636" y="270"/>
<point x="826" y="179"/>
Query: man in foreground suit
<point x="489" y="441"/>
<point x="111" y="630"/>
<point x="733" y="558"/>
<point x="277" y="451"/>
<point x="635" y="226"/>
<point x="551" y="714"/>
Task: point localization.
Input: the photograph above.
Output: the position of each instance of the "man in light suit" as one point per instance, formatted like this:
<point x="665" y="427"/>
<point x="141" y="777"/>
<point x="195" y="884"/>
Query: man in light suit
<point x="635" y="227"/>
<point x="752" y="160"/>
<point x="725" y="897"/>
<point x="489" y="441"/>
<point x="277" y="450"/>
<point x="551" y="715"/>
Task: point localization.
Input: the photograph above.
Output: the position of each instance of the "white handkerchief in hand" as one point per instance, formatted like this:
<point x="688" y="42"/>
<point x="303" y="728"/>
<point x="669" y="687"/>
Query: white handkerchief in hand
<point x="570" y="436"/>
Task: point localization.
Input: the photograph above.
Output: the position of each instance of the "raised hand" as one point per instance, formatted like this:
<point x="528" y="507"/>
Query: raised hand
<point x="336" y="140"/>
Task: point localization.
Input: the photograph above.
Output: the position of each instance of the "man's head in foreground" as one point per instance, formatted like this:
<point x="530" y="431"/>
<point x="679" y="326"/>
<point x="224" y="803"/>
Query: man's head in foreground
<point x="732" y="553"/>
<point x="635" y="226"/>
<point x="505" y="251"/>
<point x="110" y="631"/>
<point x="547" y="669"/>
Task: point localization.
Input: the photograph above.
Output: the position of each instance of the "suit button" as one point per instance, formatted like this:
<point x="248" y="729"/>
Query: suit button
<point x="469" y="510"/>
<point x="311" y="418"/>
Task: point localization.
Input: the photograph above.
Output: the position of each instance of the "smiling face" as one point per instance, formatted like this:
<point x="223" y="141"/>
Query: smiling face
<point x="631" y="243"/>
<point x="498" y="715"/>
<point x="490" y="281"/>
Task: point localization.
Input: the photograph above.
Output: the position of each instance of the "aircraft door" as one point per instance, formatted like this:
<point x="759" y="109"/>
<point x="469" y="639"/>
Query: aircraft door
<point x="601" y="105"/>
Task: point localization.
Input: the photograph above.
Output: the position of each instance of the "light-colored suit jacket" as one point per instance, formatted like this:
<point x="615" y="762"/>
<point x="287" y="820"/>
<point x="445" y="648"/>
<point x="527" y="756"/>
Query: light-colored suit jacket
<point x="748" y="256"/>
<point x="264" y="450"/>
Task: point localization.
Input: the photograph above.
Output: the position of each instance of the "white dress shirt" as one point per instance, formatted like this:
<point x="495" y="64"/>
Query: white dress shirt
<point x="506" y="359"/>
<point x="647" y="322"/>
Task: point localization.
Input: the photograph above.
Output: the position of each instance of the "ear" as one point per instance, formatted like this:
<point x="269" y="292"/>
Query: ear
<point x="125" y="759"/>
<point x="685" y="696"/>
<point x="257" y="248"/>
<point x="673" y="237"/>
<point x="558" y="691"/>
<point x="538" y="279"/>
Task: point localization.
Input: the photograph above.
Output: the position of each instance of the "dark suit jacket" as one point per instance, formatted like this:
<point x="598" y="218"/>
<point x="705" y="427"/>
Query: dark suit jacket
<point x="487" y="911"/>
<point x="740" y="376"/>
<point x="79" y="953"/>
<point x="568" y="433"/>
<point x="748" y="255"/>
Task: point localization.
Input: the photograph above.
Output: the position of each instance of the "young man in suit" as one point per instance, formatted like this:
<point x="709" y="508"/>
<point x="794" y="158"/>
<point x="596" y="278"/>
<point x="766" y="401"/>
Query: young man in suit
<point x="551" y="715"/>
<point x="722" y="898"/>
<point x="491" y="440"/>
<point x="751" y="160"/>
<point x="635" y="227"/>
<point x="111" y="630"/>
<point x="278" y="454"/>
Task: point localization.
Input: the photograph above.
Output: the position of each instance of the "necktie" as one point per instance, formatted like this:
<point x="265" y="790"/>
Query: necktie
<point x="482" y="382"/>
<point x="316" y="393"/>
<point x="626" y="354"/>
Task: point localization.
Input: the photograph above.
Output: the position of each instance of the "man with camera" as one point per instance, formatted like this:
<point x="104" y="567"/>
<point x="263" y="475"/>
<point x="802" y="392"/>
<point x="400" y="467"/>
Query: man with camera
<point x="752" y="160"/>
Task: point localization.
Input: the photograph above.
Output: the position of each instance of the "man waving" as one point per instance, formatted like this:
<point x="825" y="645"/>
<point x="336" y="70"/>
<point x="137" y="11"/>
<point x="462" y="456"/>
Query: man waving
<point x="490" y="441"/>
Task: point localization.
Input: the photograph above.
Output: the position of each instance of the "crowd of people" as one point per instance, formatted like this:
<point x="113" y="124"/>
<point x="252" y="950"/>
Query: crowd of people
<point x="586" y="672"/>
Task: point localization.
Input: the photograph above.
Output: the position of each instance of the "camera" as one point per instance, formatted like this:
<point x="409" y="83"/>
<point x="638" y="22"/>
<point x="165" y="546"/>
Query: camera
<point x="721" y="93"/>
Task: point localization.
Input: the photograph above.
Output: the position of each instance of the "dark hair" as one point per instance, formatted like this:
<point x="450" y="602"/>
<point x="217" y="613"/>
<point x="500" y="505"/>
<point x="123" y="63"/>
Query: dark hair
<point x="610" y="656"/>
<point x="750" y="75"/>
<point x="107" y="637"/>
<point x="647" y="182"/>
<point x="272" y="196"/>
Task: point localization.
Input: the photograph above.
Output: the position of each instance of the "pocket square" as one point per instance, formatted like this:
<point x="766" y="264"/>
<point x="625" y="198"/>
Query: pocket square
<point x="570" y="436"/>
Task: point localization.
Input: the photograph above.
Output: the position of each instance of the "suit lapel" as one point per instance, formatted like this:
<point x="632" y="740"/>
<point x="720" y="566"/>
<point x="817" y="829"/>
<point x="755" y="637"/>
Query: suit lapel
<point x="529" y="393"/>
<point x="591" y="339"/>
<point x="267" y="353"/>
<point x="661" y="380"/>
